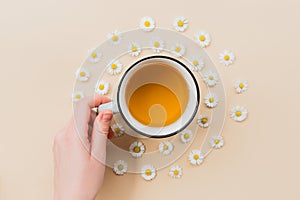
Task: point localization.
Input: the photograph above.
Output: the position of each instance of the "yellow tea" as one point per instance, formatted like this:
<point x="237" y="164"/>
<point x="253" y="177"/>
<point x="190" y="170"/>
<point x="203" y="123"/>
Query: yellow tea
<point x="154" y="105"/>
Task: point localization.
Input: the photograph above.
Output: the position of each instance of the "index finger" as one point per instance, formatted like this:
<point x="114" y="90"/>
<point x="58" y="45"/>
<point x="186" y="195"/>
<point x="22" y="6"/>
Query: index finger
<point x="82" y="112"/>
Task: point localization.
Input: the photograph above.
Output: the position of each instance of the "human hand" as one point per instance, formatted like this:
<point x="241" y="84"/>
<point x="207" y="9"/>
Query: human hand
<point x="80" y="161"/>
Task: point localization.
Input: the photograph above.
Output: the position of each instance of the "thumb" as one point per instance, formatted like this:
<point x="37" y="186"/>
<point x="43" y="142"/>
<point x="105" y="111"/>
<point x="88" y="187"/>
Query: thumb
<point x="102" y="123"/>
<point x="99" y="135"/>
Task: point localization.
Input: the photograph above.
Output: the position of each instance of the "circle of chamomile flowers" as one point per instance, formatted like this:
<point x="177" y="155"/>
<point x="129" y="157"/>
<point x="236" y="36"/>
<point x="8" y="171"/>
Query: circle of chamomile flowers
<point x="165" y="147"/>
<point x="137" y="149"/>
<point x="120" y="167"/>
<point x="117" y="129"/>
<point x="148" y="172"/>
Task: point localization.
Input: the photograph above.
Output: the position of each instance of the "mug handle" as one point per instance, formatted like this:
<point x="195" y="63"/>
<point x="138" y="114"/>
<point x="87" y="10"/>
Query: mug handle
<point x="109" y="106"/>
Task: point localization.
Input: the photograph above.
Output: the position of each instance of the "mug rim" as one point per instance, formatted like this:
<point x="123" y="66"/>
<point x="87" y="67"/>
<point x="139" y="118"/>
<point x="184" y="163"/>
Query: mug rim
<point x="195" y="84"/>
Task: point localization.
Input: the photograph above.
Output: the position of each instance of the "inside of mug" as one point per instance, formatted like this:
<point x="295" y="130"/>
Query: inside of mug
<point x="157" y="94"/>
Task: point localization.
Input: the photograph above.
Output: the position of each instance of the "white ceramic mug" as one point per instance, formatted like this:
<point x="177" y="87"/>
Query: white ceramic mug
<point x="165" y="71"/>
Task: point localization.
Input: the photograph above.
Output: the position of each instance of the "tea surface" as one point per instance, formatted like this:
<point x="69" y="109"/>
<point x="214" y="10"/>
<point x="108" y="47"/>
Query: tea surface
<point x="154" y="105"/>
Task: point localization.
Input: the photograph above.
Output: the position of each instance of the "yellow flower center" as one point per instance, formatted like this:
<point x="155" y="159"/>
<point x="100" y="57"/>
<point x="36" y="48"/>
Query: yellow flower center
<point x="180" y="23"/>
<point x="120" y="167"/>
<point x="202" y="38"/>
<point x="166" y="147"/>
<point x="186" y="136"/>
<point x="114" y="66"/>
<point x="204" y="120"/>
<point x="137" y="149"/>
<point x="211" y="99"/>
<point x="156" y="44"/>
<point x="94" y="55"/>
<point x="241" y="85"/>
<point x="196" y="156"/>
<point x="226" y="57"/>
<point x="117" y="130"/>
<point x="114" y="38"/>
<point x="78" y="96"/>
<point x="147" y="23"/>
<point x="82" y="74"/>
<point x="195" y="63"/>
<point x="148" y="172"/>
<point x="101" y="87"/>
<point x="176" y="172"/>
<point x="177" y="49"/>
<point x="238" y="113"/>
<point x="217" y="141"/>
<point x="211" y="78"/>
<point x="133" y="48"/>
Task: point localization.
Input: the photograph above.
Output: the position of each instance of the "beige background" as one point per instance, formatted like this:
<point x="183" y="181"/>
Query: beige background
<point x="43" y="43"/>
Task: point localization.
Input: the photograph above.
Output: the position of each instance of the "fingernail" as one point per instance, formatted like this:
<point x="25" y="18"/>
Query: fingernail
<point x="107" y="116"/>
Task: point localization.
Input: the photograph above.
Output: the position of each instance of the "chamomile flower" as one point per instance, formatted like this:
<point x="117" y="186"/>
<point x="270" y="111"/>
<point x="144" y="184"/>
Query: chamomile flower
<point x="82" y="74"/>
<point x="226" y="57"/>
<point x="178" y="50"/>
<point x="241" y="86"/>
<point x="114" y="67"/>
<point x="137" y="149"/>
<point x="175" y="172"/>
<point x="134" y="49"/>
<point x="77" y="95"/>
<point x="102" y="87"/>
<point x="165" y="147"/>
<point x="186" y="136"/>
<point x="211" y="100"/>
<point x="114" y="37"/>
<point x="147" y="24"/>
<point x="203" y="39"/>
<point x="180" y="24"/>
<point x="217" y="142"/>
<point x="94" y="56"/>
<point x="120" y="167"/>
<point x="196" y="64"/>
<point x="211" y="78"/>
<point x="157" y="45"/>
<point x="148" y="172"/>
<point x="238" y="113"/>
<point x="195" y="157"/>
<point x="203" y="121"/>
<point x="117" y="129"/>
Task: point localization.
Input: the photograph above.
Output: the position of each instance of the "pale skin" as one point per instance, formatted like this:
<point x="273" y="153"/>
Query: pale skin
<point x="78" y="175"/>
